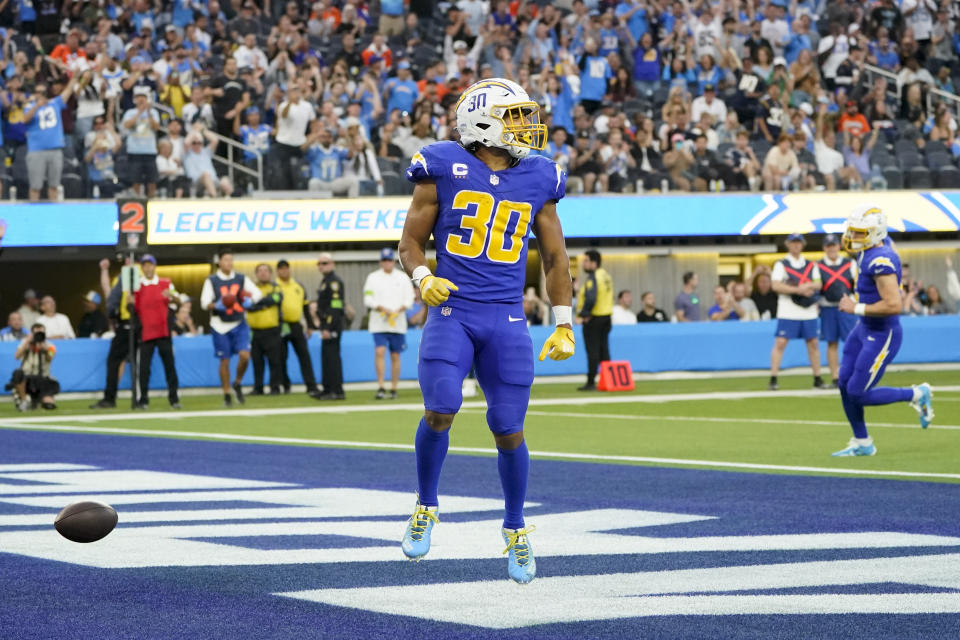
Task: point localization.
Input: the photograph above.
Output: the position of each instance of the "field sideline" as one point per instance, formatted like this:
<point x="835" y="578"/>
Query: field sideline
<point x="723" y="423"/>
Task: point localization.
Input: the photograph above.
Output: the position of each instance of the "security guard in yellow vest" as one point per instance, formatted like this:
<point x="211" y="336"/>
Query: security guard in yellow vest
<point x="291" y="313"/>
<point x="118" y="310"/>
<point x="264" y="321"/>
<point x="594" y="306"/>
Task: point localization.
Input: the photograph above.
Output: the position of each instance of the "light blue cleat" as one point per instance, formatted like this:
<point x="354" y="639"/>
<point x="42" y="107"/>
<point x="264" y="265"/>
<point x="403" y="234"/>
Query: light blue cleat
<point x="854" y="448"/>
<point x="521" y="565"/>
<point x="416" y="539"/>
<point x="924" y="404"/>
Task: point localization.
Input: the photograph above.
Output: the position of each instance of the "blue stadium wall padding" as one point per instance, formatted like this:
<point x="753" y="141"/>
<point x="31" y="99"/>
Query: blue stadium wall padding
<point x="702" y="346"/>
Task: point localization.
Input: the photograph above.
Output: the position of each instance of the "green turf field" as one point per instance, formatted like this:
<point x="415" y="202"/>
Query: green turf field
<point x="771" y="433"/>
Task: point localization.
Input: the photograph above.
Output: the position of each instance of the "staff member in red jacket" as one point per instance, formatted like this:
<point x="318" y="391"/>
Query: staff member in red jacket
<point x="151" y="301"/>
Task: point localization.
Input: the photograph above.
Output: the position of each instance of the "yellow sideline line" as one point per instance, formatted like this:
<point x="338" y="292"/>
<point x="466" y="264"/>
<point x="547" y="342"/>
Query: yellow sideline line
<point x="588" y="457"/>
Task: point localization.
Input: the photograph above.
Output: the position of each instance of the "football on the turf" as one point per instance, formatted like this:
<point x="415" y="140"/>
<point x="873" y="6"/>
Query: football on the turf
<point x="86" y="521"/>
<point x="228" y="300"/>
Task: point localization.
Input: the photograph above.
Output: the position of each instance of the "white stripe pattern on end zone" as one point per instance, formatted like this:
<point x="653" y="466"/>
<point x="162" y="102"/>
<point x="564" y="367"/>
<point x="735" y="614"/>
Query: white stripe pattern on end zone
<point x="578" y="401"/>
<point x="584" y="457"/>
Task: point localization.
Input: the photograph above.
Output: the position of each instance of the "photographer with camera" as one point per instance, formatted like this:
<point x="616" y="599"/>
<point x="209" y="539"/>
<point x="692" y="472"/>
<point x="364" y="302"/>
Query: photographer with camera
<point x="31" y="382"/>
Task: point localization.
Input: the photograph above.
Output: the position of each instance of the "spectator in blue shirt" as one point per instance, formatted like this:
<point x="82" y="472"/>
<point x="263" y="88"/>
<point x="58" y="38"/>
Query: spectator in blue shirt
<point x="391" y="17"/>
<point x="723" y="305"/>
<point x="609" y="36"/>
<point x="558" y="100"/>
<point x="326" y="163"/>
<point x="140" y="125"/>
<point x="707" y="73"/>
<point x="45" y="140"/>
<point x="883" y="53"/>
<point x="595" y="72"/>
<point x="646" y="66"/>
<point x="254" y="134"/>
<point x="28" y="17"/>
<point x="634" y="14"/>
<point x="401" y="91"/>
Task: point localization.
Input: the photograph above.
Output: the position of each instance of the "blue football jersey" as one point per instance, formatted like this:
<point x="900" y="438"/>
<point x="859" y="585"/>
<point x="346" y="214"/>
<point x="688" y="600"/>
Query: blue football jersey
<point x="484" y="217"/>
<point x="872" y="262"/>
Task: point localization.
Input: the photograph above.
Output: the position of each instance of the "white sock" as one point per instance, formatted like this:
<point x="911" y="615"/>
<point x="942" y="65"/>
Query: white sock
<point x="864" y="442"/>
<point x="916" y="394"/>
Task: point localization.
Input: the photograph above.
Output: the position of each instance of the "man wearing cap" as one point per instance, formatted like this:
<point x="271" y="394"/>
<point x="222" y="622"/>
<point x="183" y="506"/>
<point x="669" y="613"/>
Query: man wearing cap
<point x="93" y="323"/>
<point x="388" y="294"/>
<point x="839" y="275"/>
<point x="291" y="313"/>
<point x="708" y="103"/>
<point x="330" y="313"/>
<point x="401" y="91"/>
<point x="264" y="321"/>
<point x="45" y="140"/>
<point x="140" y="125"/>
<point x="797" y="281"/>
<point x="228" y="295"/>
<point x="151" y="302"/>
<point x="30" y="309"/>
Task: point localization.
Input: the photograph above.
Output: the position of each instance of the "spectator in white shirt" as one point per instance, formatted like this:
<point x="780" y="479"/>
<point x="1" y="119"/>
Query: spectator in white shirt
<point x="388" y="293"/>
<point x="622" y="314"/>
<point x="57" y="325"/>
<point x="249" y="55"/>
<point x="709" y="103"/>
<point x="293" y="116"/>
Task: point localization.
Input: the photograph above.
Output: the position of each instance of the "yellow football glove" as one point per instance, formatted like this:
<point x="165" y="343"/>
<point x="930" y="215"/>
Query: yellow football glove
<point x="559" y="346"/>
<point x="392" y="318"/>
<point x="436" y="290"/>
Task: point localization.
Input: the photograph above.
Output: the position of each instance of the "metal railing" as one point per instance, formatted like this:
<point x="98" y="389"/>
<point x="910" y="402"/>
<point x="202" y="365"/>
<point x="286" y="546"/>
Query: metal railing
<point x="933" y="94"/>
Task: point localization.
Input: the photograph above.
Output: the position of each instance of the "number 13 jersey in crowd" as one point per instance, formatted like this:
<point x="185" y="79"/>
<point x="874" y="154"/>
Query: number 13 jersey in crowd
<point x="484" y="217"/>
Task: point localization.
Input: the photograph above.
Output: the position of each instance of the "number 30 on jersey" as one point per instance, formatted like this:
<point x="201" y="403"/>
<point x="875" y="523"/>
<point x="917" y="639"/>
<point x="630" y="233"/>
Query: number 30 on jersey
<point x="484" y="221"/>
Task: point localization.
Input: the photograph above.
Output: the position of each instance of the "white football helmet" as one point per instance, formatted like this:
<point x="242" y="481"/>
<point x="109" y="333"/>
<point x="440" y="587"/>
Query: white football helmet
<point x="869" y="224"/>
<point x="497" y="112"/>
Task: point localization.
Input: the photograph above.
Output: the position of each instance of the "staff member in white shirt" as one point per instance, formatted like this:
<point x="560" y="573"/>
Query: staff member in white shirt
<point x="57" y="325"/>
<point x="622" y="314"/>
<point x="797" y="280"/>
<point x="388" y="294"/>
<point x="293" y="116"/>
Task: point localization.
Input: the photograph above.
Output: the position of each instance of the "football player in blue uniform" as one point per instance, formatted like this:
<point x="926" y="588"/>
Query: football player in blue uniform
<point x="480" y="198"/>
<point x="875" y="340"/>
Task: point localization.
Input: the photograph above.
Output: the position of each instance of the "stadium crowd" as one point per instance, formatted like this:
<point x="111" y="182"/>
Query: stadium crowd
<point x="337" y="95"/>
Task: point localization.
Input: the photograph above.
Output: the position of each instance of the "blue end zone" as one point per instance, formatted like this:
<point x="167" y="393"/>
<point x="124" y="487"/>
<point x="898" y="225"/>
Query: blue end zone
<point x="45" y="599"/>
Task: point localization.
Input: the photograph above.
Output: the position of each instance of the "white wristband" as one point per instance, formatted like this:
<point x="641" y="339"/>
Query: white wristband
<point x="860" y="309"/>
<point x="563" y="314"/>
<point x="420" y="273"/>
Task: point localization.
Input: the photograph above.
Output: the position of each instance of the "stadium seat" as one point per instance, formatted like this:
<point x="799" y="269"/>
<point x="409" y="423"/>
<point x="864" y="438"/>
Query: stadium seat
<point x="948" y="177"/>
<point x="905" y="146"/>
<point x="937" y="159"/>
<point x="935" y="146"/>
<point x="908" y="160"/>
<point x="72" y="186"/>
<point x="919" y="178"/>
<point x="893" y="176"/>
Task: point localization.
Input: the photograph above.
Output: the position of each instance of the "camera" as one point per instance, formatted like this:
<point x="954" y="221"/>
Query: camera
<point x="39" y="337"/>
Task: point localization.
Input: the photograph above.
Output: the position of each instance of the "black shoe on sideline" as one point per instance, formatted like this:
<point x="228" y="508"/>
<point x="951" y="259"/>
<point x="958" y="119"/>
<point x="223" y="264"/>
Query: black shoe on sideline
<point x="316" y="394"/>
<point x="588" y="387"/>
<point x="381" y="394"/>
<point x="49" y="406"/>
<point x="175" y="405"/>
<point x="393" y="394"/>
<point x="227" y="401"/>
<point x="104" y="404"/>
<point x="141" y="406"/>
<point x="238" y="389"/>
<point x="256" y="392"/>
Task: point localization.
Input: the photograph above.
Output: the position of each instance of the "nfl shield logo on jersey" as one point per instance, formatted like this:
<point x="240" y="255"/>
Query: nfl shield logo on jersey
<point x="445" y="311"/>
<point x="494" y="180"/>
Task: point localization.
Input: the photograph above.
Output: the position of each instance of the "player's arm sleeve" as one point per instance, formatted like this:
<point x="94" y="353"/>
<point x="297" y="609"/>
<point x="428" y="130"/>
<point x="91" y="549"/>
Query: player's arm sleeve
<point x="251" y="289"/>
<point x="880" y="266"/>
<point x="424" y="165"/>
<point x="206" y="294"/>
